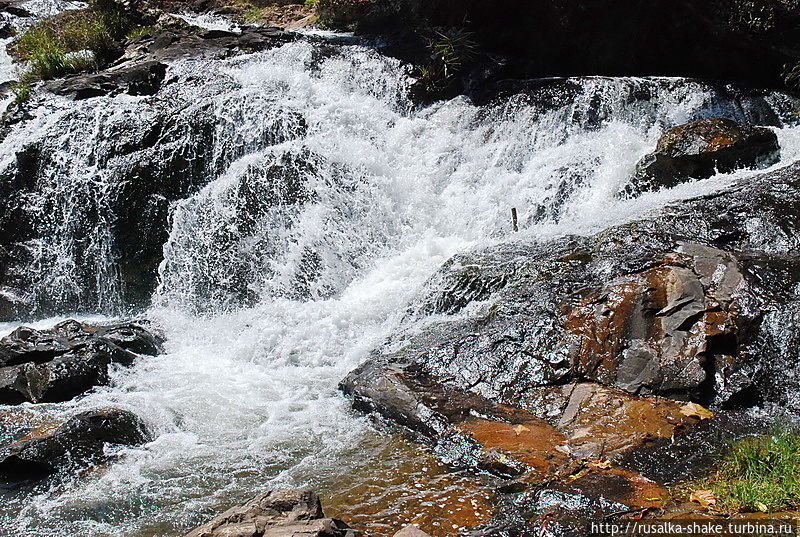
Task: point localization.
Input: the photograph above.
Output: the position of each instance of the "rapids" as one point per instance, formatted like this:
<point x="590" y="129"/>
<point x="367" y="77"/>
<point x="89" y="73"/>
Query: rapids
<point x="300" y="249"/>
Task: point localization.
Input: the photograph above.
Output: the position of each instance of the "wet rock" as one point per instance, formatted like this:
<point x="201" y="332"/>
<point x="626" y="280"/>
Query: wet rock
<point x="656" y="331"/>
<point x="58" y="364"/>
<point x="30" y="345"/>
<point x="672" y="305"/>
<point x="6" y="31"/>
<point x="690" y="453"/>
<point x="555" y="509"/>
<point x="661" y="326"/>
<point x="702" y="148"/>
<point x="140" y="79"/>
<point x="592" y="428"/>
<point x="80" y="439"/>
<point x="12" y="8"/>
<point x="277" y="513"/>
<point x="411" y="531"/>
<point x="574" y="358"/>
<point x="605" y="423"/>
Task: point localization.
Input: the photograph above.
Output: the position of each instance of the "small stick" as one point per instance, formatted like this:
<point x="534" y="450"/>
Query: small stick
<point x="514" y="218"/>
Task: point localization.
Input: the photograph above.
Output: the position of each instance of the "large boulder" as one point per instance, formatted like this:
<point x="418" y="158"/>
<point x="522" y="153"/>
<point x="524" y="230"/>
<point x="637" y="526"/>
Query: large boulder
<point x="276" y="513"/>
<point x="702" y="148"/>
<point x="67" y="360"/>
<point x="143" y="78"/>
<point x="149" y="158"/>
<point x="80" y="439"/>
<point x="580" y="368"/>
<point x="684" y="304"/>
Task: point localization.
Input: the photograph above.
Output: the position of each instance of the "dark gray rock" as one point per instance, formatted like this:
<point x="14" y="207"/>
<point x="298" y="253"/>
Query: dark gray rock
<point x="702" y="148"/>
<point x="12" y="8"/>
<point x="276" y="513"/>
<point x="139" y="79"/>
<point x="141" y="68"/>
<point x="149" y="160"/>
<point x="58" y="364"/>
<point x="186" y="42"/>
<point x="685" y="304"/>
<point x="81" y="439"/>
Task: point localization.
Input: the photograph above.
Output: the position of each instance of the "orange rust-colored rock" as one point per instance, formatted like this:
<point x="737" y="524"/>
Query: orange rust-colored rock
<point x="701" y="149"/>
<point x="654" y="332"/>
<point x="532" y="443"/>
<point x="603" y="422"/>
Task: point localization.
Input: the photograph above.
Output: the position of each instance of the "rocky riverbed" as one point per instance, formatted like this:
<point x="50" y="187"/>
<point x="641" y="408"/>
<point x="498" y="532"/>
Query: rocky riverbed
<point x="281" y="262"/>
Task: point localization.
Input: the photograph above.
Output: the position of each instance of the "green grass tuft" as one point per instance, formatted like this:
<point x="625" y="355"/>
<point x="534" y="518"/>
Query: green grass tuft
<point x="48" y="46"/>
<point x="760" y="473"/>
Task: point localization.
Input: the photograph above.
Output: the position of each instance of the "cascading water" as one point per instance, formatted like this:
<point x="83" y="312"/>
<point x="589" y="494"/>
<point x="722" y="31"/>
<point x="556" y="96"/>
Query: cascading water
<point x="307" y="220"/>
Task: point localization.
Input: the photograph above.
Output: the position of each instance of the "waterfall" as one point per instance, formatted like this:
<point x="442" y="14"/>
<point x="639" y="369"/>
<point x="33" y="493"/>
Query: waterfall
<point x="290" y="204"/>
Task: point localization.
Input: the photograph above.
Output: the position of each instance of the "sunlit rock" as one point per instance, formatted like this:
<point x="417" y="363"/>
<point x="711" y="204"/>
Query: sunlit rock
<point x="81" y="439"/>
<point x="277" y="513"/>
<point x="702" y="148"/>
<point x="71" y="358"/>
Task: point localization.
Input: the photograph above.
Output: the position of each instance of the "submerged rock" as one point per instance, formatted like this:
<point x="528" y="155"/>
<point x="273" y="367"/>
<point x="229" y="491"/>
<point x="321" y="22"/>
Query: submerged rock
<point x="276" y="513"/>
<point x="702" y="148"/>
<point x="67" y="360"/>
<point x="80" y="439"/>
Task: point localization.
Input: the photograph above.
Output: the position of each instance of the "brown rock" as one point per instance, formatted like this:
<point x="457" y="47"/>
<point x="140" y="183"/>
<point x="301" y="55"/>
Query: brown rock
<point x="411" y="531"/>
<point x="702" y="148"/>
<point x="277" y="513"/>
<point x="600" y="422"/>
<point x="654" y="332"/>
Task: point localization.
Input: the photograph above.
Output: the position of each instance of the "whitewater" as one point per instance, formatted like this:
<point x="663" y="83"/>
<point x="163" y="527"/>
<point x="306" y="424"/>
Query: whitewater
<point x="265" y="310"/>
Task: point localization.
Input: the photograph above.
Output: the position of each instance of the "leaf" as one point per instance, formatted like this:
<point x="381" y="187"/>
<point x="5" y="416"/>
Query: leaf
<point x="578" y="475"/>
<point x="703" y="497"/>
<point x="693" y="410"/>
<point x="761" y="507"/>
<point x="519" y="429"/>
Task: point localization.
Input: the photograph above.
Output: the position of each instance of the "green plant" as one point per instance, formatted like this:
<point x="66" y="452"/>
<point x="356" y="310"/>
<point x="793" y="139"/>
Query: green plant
<point x="452" y="48"/>
<point x="450" y="51"/>
<point x="22" y="90"/>
<point x="759" y="473"/>
<point x="51" y="47"/>
<point x="140" y="30"/>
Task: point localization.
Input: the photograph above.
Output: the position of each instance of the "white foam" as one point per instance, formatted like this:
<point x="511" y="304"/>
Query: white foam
<point x="210" y="21"/>
<point x="246" y="397"/>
